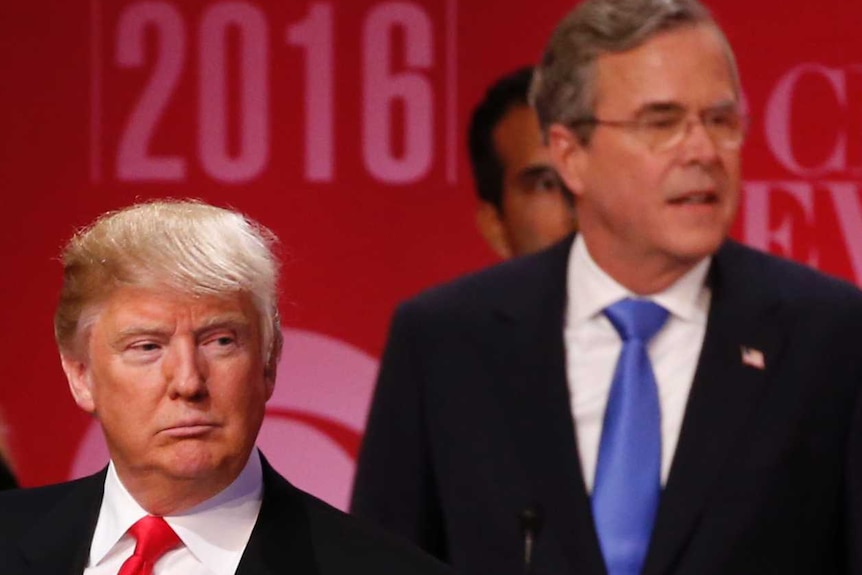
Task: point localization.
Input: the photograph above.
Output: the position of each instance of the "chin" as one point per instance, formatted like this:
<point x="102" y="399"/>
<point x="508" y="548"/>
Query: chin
<point x="195" y="462"/>
<point x="695" y="246"/>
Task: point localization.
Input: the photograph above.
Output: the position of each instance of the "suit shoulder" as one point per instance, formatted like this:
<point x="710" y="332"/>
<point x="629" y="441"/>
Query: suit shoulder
<point x="347" y="544"/>
<point x="522" y="277"/>
<point x="14" y="501"/>
<point x="21" y="508"/>
<point x="339" y="544"/>
<point x="792" y="281"/>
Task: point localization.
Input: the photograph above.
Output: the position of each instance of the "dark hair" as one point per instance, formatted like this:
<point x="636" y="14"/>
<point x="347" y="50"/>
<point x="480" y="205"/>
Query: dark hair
<point x="506" y="93"/>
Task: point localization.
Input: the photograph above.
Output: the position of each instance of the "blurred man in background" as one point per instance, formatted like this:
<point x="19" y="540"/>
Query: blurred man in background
<point x="523" y="205"/>
<point x="650" y="398"/>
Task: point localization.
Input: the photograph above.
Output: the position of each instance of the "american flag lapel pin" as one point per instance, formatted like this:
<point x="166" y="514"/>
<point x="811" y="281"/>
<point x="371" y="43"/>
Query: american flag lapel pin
<point x="753" y="357"/>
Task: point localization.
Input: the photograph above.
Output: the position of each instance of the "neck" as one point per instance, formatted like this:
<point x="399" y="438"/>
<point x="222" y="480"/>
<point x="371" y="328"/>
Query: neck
<point x="642" y="274"/>
<point x="161" y="495"/>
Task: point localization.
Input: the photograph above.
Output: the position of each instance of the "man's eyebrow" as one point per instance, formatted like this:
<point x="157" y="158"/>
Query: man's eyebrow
<point x="151" y="330"/>
<point x="144" y="327"/>
<point x="229" y="321"/>
<point x="536" y="170"/>
<point x="660" y="107"/>
<point x="676" y="107"/>
<point x="725" y="105"/>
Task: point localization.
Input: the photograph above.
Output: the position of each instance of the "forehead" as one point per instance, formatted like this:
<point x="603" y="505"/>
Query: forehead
<point x="518" y="139"/>
<point x="145" y="307"/>
<point x="688" y="66"/>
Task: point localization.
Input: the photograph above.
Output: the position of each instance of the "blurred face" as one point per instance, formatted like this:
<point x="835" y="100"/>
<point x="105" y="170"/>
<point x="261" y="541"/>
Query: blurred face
<point x="647" y="216"/>
<point x="535" y="210"/>
<point x="177" y="383"/>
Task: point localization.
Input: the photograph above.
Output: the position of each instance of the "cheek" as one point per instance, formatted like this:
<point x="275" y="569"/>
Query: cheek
<point x="552" y="213"/>
<point x="733" y="168"/>
<point x="615" y="177"/>
<point x="123" y="393"/>
<point x="516" y="212"/>
<point x="513" y="202"/>
<point x="243" y="385"/>
<point x="108" y="386"/>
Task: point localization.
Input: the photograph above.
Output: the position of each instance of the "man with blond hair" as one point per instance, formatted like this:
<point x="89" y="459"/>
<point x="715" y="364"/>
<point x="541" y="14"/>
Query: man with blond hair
<point x="650" y="398"/>
<point x="169" y="335"/>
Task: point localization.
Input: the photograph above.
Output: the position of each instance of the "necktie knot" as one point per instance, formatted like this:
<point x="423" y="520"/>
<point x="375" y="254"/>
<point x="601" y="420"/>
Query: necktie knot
<point x="153" y="538"/>
<point x="637" y="319"/>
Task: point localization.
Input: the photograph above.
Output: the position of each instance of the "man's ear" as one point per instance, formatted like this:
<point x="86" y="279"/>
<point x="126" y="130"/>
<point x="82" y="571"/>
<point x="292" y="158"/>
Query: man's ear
<point x="568" y="154"/>
<point x="270" y="370"/>
<point x="80" y="382"/>
<point x="491" y="226"/>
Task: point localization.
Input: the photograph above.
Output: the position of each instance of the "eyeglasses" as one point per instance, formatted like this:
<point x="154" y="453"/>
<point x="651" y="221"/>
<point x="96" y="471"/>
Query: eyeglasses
<point x="665" y="127"/>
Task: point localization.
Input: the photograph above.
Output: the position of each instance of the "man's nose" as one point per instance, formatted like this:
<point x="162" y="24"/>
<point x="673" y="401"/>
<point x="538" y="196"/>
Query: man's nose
<point x="698" y="145"/>
<point x="185" y="370"/>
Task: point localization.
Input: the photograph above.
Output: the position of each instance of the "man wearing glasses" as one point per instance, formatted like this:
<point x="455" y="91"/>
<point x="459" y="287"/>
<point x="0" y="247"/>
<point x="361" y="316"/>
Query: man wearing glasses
<point x="650" y="397"/>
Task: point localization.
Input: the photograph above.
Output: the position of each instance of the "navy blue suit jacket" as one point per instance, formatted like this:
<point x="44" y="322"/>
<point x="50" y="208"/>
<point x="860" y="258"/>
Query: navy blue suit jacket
<point x="48" y="531"/>
<point x="471" y="424"/>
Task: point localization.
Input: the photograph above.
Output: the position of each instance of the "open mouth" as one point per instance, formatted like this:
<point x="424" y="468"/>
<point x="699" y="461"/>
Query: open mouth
<point x="695" y="198"/>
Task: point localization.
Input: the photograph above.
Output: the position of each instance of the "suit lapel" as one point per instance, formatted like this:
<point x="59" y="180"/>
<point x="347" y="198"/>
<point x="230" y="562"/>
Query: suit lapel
<point x="280" y="542"/>
<point x="281" y="539"/>
<point x="723" y="396"/>
<point x="532" y="375"/>
<point x="60" y="542"/>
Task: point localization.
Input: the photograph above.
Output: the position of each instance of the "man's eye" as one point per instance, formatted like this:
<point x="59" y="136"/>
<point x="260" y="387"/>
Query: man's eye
<point x="546" y="181"/>
<point x="661" y="122"/>
<point x="726" y="119"/>
<point x="145" y="346"/>
<point x="142" y="350"/>
<point x="221" y="341"/>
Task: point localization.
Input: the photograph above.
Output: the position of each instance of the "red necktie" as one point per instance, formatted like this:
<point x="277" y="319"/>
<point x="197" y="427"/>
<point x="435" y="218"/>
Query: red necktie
<point x="154" y="537"/>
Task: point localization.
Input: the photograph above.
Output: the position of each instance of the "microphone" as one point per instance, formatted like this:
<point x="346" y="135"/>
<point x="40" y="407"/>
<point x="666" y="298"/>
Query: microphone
<point x="530" y="519"/>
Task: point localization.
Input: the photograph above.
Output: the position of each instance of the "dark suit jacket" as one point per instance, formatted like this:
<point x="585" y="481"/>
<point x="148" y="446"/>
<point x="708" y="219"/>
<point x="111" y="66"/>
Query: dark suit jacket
<point x="48" y="530"/>
<point x="471" y="424"/>
<point x="7" y="478"/>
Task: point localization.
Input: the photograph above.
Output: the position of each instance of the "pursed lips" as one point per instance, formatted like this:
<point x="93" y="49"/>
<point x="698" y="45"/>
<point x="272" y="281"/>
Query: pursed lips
<point x="190" y="428"/>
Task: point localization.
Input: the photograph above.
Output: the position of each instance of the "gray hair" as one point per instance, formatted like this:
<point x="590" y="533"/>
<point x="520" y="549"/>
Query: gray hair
<point x="563" y="88"/>
<point x="185" y="245"/>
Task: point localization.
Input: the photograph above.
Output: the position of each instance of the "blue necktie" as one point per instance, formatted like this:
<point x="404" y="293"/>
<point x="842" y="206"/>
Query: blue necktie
<point x="628" y="473"/>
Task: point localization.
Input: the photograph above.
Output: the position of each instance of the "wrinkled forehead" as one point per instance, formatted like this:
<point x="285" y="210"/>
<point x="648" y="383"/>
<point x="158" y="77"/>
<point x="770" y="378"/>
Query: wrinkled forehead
<point x="162" y="306"/>
<point x="690" y="65"/>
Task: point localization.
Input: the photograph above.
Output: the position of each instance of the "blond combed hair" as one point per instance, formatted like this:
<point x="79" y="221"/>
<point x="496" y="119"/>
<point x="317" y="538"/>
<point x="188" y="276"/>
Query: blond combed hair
<point x="183" y="245"/>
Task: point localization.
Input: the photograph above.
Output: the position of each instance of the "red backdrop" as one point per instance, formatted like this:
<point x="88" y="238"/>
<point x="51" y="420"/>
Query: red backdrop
<point x="340" y="125"/>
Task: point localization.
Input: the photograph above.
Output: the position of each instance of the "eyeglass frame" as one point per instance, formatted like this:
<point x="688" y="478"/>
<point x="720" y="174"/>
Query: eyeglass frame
<point x="641" y="124"/>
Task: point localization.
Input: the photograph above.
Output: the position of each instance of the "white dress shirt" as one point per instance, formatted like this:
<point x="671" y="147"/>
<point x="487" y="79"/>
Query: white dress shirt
<point x="214" y="533"/>
<point x="593" y="347"/>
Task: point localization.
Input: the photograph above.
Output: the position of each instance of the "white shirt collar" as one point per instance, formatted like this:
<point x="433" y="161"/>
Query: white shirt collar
<point x="591" y="290"/>
<point x="215" y="531"/>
